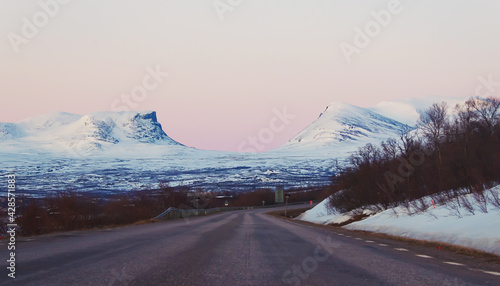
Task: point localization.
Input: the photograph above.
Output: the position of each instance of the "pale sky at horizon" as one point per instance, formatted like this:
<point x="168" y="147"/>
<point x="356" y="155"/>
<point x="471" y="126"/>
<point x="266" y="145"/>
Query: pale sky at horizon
<point x="227" y="77"/>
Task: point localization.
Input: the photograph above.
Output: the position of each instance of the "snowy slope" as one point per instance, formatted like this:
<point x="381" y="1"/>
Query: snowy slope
<point x="322" y="213"/>
<point x="441" y="224"/>
<point x="10" y="131"/>
<point x="341" y="129"/>
<point x="65" y="133"/>
<point x="100" y="126"/>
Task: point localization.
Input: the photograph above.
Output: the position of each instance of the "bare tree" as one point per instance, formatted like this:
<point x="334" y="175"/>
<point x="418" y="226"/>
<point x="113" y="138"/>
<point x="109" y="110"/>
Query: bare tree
<point x="433" y="123"/>
<point x="408" y="141"/>
<point x="390" y="149"/>
<point x="465" y="125"/>
<point x="487" y="110"/>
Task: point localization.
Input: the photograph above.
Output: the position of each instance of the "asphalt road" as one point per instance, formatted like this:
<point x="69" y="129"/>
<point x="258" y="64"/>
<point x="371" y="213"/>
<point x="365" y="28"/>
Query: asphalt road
<point x="234" y="248"/>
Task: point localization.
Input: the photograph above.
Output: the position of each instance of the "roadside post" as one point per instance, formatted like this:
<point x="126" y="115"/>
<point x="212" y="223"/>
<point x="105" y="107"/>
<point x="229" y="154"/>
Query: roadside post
<point x="286" y="202"/>
<point x="197" y="199"/>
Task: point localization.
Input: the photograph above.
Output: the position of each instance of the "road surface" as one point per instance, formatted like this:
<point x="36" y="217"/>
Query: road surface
<point x="235" y="248"/>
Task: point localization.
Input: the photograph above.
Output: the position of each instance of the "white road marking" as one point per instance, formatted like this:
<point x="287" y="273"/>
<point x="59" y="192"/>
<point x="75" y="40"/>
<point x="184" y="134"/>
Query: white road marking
<point x="371" y="241"/>
<point x="401" y="249"/>
<point x="359" y="238"/>
<point x="491" y="272"/>
<point x="485" y="271"/>
<point x="453" y="263"/>
<point x="423" y="256"/>
<point x="382" y="244"/>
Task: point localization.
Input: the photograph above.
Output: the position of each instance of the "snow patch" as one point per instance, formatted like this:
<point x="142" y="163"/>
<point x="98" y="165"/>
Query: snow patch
<point x="444" y="223"/>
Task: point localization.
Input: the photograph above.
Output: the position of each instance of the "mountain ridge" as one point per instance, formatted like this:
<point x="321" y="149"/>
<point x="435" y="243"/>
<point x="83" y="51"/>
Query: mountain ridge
<point x="339" y="125"/>
<point x="342" y="122"/>
<point x="90" y="132"/>
<point x="108" y="152"/>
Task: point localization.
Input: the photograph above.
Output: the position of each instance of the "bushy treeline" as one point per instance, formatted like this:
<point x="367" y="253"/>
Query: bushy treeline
<point x="68" y="210"/>
<point x="453" y="152"/>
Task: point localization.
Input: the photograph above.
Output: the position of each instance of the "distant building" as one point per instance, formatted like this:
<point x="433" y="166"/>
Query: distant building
<point x="278" y="196"/>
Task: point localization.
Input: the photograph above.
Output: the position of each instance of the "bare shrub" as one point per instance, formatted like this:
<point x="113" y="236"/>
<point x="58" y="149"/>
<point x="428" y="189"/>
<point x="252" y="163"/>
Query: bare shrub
<point x="330" y="208"/>
<point x="408" y="206"/>
<point x="440" y="198"/>
<point x="35" y="219"/>
<point x="395" y="212"/>
<point x="418" y="205"/>
<point x="482" y="201"/>
<point x="467" y="204"/>
<point x="432" y="215"/>
<point x="421" y="205"/>
<point x="495" y="195"/>
<point x="454" y="208"/>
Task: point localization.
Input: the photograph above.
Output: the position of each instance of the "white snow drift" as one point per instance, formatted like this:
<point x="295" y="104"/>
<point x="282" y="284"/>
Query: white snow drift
<point x="444" y="223"/>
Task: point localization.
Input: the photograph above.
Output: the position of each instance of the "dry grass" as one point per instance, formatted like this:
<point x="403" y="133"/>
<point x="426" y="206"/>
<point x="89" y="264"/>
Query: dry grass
<point x="289" y="213"/>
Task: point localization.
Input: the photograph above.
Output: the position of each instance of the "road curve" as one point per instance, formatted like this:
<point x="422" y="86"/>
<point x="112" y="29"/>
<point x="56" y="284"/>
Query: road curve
<point x="232" y="248"/>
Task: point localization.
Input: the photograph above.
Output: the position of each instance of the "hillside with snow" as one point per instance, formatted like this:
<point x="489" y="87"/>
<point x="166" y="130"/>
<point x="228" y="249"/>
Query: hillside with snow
<point x="71" y="134"/>
<point x="343" y="128"/>
<point x="477" y="228"/>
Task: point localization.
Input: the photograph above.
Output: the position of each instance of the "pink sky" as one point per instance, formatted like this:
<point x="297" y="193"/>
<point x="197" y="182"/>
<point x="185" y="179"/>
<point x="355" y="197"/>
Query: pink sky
<point x="227" y="76"/>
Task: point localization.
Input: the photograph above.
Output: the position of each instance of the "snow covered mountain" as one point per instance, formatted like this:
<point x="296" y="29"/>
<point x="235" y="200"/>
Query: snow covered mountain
<point x="108" y="152"/>
<point x="10" y="131"/>
<point x="344" y="127"/>
<point x="62" y="132"/>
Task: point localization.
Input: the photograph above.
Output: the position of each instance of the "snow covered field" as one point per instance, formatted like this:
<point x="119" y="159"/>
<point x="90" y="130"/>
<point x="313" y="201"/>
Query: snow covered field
<point x="110" y="152"/>
<point x="443" y="223"/>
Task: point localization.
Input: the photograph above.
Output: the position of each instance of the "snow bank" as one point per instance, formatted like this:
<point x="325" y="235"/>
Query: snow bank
<point x="441" y="224"/>
<point x="323" y="214"/>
